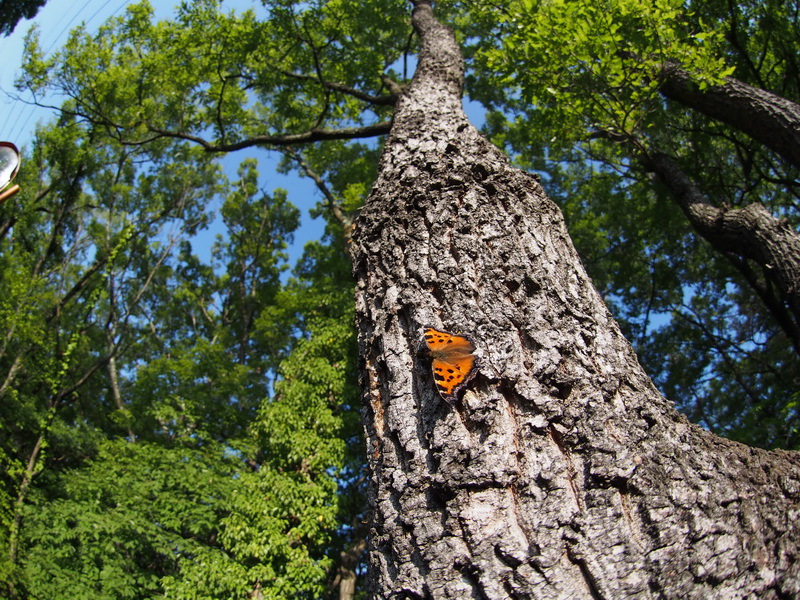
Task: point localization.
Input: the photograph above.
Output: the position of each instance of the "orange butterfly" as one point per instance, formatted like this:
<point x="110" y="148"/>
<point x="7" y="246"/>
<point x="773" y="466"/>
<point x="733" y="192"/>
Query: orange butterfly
<point x="453" y="361"/>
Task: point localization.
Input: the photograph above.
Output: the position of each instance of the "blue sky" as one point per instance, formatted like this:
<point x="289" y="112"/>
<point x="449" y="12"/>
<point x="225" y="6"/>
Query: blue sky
<point x="18" y="117"/>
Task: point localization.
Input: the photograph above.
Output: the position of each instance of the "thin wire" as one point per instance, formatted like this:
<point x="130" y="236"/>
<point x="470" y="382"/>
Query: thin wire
<point x="21" y="113"/>
<point x="114" y="14"/>
<point x="68" y="26"/>
<point x="16" y="113"/>
<point x="56" y="40"/>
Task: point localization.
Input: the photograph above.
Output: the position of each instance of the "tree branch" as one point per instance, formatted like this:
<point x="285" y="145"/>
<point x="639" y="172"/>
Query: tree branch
<point x="389" y="100"/>
<point x="768" y="118"/>
<point x="331" y="201"/>
<point x="751" y="233"/>
<point x="313" y="135"/>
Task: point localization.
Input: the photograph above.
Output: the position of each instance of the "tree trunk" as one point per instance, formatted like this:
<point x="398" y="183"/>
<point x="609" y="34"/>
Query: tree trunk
<point x="560" y="472"/>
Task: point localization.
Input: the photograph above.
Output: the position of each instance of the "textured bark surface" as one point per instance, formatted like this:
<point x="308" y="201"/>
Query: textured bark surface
<point x="561" y="472"/>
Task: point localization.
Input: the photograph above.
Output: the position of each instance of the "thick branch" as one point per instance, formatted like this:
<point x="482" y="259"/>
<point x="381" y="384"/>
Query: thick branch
<point x="766" y="117"/>
<point x="310" y="136"/>
<point x="751" y="233"/>
<point x="313" y="135"/>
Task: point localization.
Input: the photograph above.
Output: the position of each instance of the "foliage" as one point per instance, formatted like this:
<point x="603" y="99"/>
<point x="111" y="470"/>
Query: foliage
<point x="131" y="515"/>
<point x="232" y="77"/>
<point x="604" y="72"/>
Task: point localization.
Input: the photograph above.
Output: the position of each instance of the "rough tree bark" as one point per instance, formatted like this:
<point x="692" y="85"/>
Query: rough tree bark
<point x="561" y="472"/>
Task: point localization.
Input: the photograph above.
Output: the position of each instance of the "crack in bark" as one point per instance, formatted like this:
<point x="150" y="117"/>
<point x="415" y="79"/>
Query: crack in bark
<point x="555" y="437"/>
<point x="588" y="579"/>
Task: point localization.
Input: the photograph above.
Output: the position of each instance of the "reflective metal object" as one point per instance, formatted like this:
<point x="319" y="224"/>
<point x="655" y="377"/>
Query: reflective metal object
<point x="9" y="165"/>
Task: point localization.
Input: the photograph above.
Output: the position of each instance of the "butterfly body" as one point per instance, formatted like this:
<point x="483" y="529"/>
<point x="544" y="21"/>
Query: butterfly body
<point x="453" y="361"/>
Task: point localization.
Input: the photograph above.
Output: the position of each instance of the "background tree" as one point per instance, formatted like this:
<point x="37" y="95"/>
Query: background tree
<point x="181" y="464"/>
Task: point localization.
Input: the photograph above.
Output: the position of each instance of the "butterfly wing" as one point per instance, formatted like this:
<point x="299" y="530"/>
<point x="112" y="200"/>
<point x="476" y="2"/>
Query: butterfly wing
<point x="453" y="361"/>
